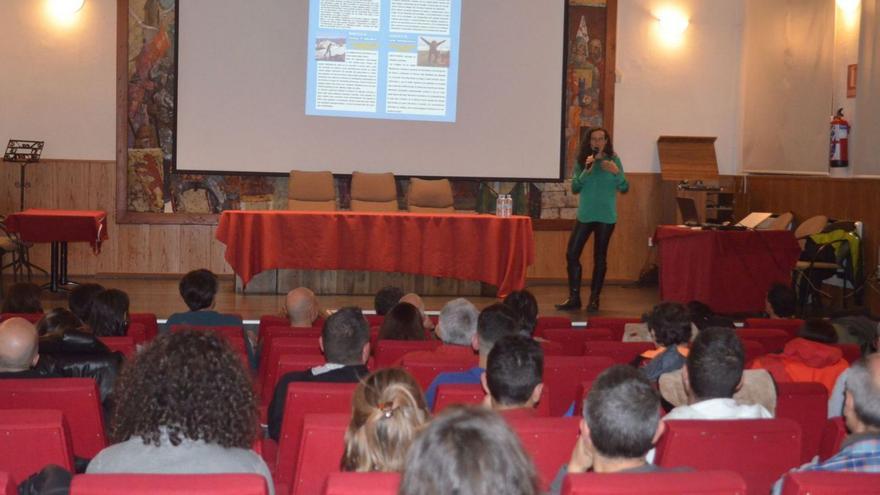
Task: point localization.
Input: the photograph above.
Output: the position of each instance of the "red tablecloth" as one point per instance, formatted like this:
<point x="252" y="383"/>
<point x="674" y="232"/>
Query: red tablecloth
<point x="37" y="225"/>
<point x="729" y="270"/>
<point x="470" y="247"/>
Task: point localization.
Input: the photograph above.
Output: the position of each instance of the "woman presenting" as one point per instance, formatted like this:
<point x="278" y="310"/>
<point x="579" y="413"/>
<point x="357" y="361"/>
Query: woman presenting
<point x="598" y="175"/>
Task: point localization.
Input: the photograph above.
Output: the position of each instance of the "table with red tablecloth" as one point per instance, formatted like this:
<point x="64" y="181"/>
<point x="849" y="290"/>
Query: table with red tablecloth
<point x="730" y="270"/>
<point x="59" y="227"/>
<point x="464" y="246"/>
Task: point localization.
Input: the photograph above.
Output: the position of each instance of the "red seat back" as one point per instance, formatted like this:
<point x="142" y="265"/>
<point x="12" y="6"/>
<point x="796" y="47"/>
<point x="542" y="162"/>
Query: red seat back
<point x="137" y="332"/>
<point x="833" y="435"/>
<point x="752" y="350"/>
<point x="575" y="338"/>
<point x="851" y="352"/>
<point x="761" y="450"/>
<point x="550" y="322"/>
<point x="689" y="483"/>
<point x="620" y="352"/>
<point x="616" y="325"/>
<point x="807" y="404"/>
<point x="773" y="339"/>
<point x="303" y="399"/>
<point x="374" y="320"/>
<point x="169" y="484"/>
<point x="7" y="486"/>
<point x="322" y="446"/>
<point x="148" y="320"/>
<point x="285" y="363"/>
<point x="790" y="326"/>
<point x="125" y="345"/>
<point x="552" y="348"/>
<point x="425" y="370"/>
<point x="830" y="483"/>
<point x="31" y="317"/>
<point x="267" y="321"/>
<point x="472" y="393"/>
<point x="549" y="441"/>
<point x="388" y="352"/>
<point x="281" y="346"/>
<point x="76" y="398"/>
<point x="563" y="374"/>
<point x="30" y="439"/>
<point x="362" y="484"/>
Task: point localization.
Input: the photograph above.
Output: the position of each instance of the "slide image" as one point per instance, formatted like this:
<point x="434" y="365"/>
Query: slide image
<point x="433" y="52"/>
<point x="330" y="49"/>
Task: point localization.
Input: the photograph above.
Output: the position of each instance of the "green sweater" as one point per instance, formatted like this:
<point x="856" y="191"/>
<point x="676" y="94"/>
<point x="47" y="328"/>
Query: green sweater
<point x="598" y="190"/>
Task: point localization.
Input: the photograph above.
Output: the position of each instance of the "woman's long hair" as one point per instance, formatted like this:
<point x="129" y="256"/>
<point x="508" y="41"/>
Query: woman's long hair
<point x="585" y="149"/>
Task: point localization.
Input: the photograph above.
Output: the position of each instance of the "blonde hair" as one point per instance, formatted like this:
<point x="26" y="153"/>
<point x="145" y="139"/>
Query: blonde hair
<point x="387" y="412"/>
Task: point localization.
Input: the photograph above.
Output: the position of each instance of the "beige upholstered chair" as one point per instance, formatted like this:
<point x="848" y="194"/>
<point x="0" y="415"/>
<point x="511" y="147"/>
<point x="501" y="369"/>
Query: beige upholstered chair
<point x="430" y="196"/>
<point x="808" y="227"/>
<point x="782" y="222"/>
<point x="373" y="192"/>
<point x="311" y="191"/>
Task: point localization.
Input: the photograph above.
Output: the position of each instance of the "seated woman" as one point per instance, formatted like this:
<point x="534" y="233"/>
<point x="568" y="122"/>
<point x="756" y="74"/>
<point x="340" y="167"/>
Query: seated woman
<point x="22" y="298"/>
<point x="198" y="289"/>
<point x="108" y="314"/>
<point x="387" y="412"/>
<point x="184" y="405"/>
<point x="670" y="327"/>
<point x="403" y="322"/>
<point x="468" y="450"/>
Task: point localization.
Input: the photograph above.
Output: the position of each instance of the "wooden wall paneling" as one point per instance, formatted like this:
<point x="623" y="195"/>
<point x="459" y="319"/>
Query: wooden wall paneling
<point x="74" y="192"/>
<point x="133" y="248"/>
<point x="8" y="191"/>
<point x="195" y="247"/>
<point x="218" y="263"/>
<point x="102" y="179"/>
<point x="164" y="249"/>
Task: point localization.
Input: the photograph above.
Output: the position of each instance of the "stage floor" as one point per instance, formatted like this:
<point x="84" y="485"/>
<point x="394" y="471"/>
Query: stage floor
<point x="160" y="296"/>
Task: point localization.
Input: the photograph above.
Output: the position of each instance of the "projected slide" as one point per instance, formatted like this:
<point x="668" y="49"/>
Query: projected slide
<point x="383" y="59"/>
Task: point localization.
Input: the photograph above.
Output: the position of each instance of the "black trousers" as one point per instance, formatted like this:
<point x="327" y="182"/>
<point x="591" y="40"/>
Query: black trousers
<point x="579" y="237"/>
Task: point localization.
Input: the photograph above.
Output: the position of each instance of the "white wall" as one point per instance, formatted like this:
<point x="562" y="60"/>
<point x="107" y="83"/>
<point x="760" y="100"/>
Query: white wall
<point x="690" y="90"/>
<point x="846" y="52"/>
<point x="58" y="82"/>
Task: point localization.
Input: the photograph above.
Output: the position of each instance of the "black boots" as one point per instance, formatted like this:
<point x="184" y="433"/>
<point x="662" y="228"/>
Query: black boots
<point x="593" y="305"/>
<point x="596" y="289"/>
<point x="574" y="290"/>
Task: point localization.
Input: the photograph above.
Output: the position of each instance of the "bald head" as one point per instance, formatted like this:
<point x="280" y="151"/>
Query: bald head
<point x="302" y="307"/>
<point x="18" y="345"/>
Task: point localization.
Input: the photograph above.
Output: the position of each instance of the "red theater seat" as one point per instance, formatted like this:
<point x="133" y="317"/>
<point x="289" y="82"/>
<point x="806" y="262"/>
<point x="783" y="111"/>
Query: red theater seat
<point x="285" y="363"/>
<point x="137" y="332"/>
<point x="833" y="435"/>
<point x="425" y="370"/>
<point x="752" y="350"/>
<point x="831" y="483"/>
<point x="549" y="441"/>
<point x="148" y="320"/>
<point x="76" y="398"/>
<point x="470" y="393"/>
<point x="790" y="326"/>
<point x="323" y="443"/>
<point x="31" y="317"/>
<point x="760" y="450"/>
<point x="125" y="345"/>
<point x="550" y="322"/>
<point x="7" y="487"/>
<point x="169" y="484"/>
<point x="575" y="338"/>
<point x="773" y="339"/>
<point x="851" y="352"/>
<point x="374" y="320"/>
<point x="30" y="439"/>
<point x="620" y="352"/>
<point x="689" y="483"/>
<point x="807" y="404"/>
<point x="388" y="352"/>
<point x="563" y="374"/>
<point x="362" y="484"/>
<point x="616" y="325"/>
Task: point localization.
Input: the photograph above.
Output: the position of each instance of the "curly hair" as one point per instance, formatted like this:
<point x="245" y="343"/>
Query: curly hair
<point x="189" y="384"/>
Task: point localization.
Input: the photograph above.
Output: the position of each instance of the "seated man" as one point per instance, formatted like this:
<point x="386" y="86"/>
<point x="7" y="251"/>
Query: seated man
<point x="302" y="307"/>
<point x="714" y="372"/>
<point x="456" y="329"/>
<point x="621" y="423"/>
<point x="861" y="450"/>
<point x="19" y="349"/>
<point x="345" y="342"/>
<point x="386" y="298"/>
<point x="781" y="302"/>
<point x="514" y="376"/>
<point x="495" y="322"/>
<point x="198" y="288"/>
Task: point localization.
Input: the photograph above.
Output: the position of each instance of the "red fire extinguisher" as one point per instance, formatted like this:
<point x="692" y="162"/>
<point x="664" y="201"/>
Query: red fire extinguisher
<point x="839" y="156"/>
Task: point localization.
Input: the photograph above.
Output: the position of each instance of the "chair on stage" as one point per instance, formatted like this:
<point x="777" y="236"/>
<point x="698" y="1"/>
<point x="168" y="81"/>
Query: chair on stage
<point x="830" y="483"/>
<point x="362" y="484"/>
<point x="32" y="438"/>
<point x="430" y="196"/>
<point x="311" y="191"/>
<point x="373" y="192"/>
<point x="686" y="483"/>
<point x="169" y="484"/>
<point x="782" y="222"/>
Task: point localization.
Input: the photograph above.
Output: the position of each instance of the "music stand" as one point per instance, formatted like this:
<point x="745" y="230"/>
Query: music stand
<point x="23" y="152"/>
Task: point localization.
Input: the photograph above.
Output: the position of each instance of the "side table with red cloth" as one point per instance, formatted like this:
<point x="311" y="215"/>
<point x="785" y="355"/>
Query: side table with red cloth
<point x="470" y="247"/>
<point x="59" y="227"/>
<point x="730" y="270"/>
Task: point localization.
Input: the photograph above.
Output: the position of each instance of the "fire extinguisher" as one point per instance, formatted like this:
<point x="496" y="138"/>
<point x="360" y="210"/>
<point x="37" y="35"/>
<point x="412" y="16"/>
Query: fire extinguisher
<point x="839" y="156"/>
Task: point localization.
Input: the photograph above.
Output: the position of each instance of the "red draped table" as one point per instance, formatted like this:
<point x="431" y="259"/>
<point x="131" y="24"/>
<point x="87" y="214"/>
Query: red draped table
<point x="470" y="247"/>
<point x="59" y="227"/>
<point x="730" y="270"/>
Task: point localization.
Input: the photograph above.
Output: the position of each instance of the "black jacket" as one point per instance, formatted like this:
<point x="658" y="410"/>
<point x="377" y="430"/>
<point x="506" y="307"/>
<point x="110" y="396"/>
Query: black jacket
<point x="81" y="355"/>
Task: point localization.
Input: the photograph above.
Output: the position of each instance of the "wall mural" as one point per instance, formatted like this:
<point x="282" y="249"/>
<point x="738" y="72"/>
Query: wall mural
<point x="153" y="186"/>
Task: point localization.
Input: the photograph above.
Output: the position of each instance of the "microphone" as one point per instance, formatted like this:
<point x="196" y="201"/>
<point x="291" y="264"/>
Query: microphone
<point x="593" y="153"/>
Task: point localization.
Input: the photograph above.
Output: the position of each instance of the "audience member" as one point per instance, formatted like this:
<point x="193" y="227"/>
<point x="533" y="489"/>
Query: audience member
<point x="80" y="300"/>
<point x="403" y="322"/>
<point x="19" y="352"/>
<point x="526" y="306"/>
<point x="185" y="405"/>
<point x="703" y="317"/>
<point x="345" y="342"/>
<point x="621" y="423"/>
<point x="807" y="358"/>
<point x="57" y="322"/>
<point x="494" y="323"/>
<point x="22" y="298"/>
<point x="387" y="412"/>
<point x="781" y="302"/>
<point x="669" y="325"/>
<point x="198" y="289"/>
<point x="838" y="393"/>
<point x="456" y="328"/>
<point x="386" y="298"/>
<point x="302" y="307"/>
<point x="860" y="452"/>
<point x="417" y="301"/>
<point x="108" y="316"/>
<point x="468" y="450"/>
<point x="514" y="376"/>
